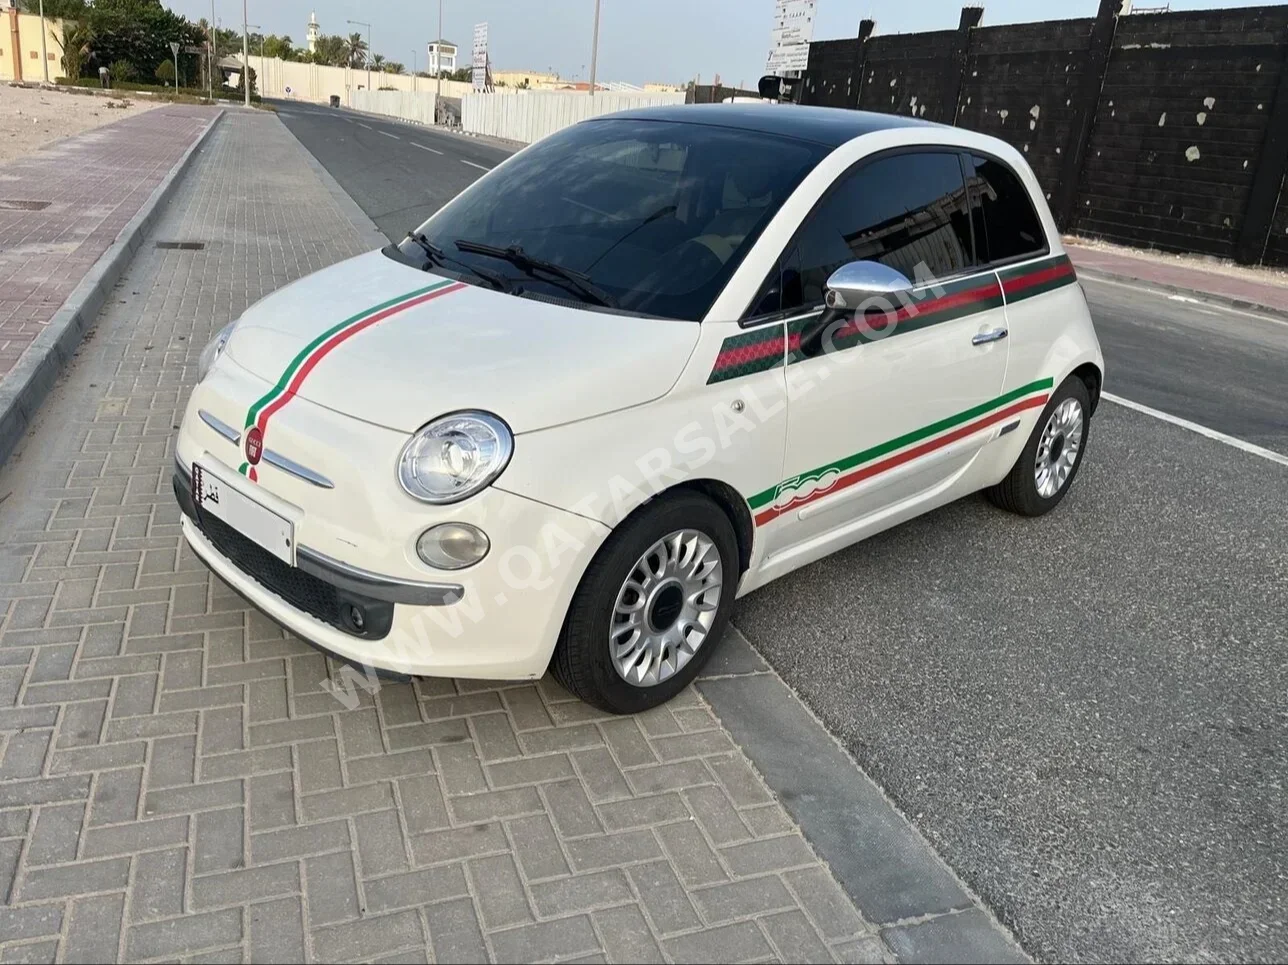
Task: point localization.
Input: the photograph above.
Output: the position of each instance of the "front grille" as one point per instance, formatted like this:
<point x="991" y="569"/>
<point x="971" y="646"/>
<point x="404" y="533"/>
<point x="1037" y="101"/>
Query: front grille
<point x="305" y="592"/>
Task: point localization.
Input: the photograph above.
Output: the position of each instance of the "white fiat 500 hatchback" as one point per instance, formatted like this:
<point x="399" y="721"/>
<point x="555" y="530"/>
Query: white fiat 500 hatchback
<point x="644" y="366"/>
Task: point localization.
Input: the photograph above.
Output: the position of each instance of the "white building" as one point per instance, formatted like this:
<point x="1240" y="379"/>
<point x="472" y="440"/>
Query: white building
<point x="442" y="56"/>
<point x="314" y="32"/>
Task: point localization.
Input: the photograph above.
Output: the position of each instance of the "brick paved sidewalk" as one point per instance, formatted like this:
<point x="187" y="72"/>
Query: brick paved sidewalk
<point x="93" y="184"/>
<point x="1184" y="275"/>
<point x="175" y="784"/>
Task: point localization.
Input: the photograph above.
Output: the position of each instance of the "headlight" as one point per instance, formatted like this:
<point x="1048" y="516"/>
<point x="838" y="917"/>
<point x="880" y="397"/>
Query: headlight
<point x="455" y="456"/>
<point x="206" y="361"/>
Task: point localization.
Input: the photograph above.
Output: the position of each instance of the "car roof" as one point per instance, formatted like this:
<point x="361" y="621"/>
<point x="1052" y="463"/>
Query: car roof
<point x="832" y="126"/>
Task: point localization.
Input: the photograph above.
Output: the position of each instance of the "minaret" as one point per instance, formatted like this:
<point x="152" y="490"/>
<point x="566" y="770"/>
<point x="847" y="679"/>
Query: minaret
<point x="314" y="32"/>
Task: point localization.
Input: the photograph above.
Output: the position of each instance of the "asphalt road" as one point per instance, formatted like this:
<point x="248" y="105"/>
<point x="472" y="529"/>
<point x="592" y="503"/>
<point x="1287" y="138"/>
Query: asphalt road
<point x="1084" y="713"/>
<point x="399" y="174"/>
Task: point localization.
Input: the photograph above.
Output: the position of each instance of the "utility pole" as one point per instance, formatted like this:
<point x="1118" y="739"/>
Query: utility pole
<point x="438" y="60"/>
<point x="363" y="23"/>
<point x="594" y="50"/>
<point x="210" y="58"/>
<point x="44" y="55"/>
<point x="245" y="57"/>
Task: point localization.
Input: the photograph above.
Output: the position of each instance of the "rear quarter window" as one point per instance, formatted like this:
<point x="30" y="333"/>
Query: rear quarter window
<point x="1006" y="225"/>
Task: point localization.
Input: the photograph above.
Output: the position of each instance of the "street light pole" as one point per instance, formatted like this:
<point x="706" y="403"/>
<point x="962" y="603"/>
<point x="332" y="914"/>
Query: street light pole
<point x="594" y="50"/>
<point x="210" y="57"/>
<point x="44" y="54"/>
<point x="438" y="60"/>
<point x="363" y="23"/>
<point x="245" y="57"/>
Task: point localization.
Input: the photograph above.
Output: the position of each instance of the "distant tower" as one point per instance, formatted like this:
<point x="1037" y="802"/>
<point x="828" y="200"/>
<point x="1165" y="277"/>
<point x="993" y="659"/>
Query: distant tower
<point x="314" y="32"/>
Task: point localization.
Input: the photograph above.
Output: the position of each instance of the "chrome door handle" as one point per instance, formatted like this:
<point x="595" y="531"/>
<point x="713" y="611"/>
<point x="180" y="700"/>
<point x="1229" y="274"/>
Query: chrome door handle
<point x="983" y="338"/>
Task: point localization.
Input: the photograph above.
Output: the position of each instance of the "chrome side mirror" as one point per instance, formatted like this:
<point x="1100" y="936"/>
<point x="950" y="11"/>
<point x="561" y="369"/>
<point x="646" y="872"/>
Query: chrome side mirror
<point x="850" y="285"/>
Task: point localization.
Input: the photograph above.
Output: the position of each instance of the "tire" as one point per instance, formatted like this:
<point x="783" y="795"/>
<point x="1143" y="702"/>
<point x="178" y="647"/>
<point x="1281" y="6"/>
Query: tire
<point x="583" y="660"/>
<point x="1019" y="492"/>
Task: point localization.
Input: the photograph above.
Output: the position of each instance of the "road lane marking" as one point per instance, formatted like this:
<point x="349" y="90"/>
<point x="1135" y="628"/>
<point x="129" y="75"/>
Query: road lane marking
<point x="387" y="134"/>
<point x="1249" y="447"/>
<point x="473" y="165"/>
<point x="1146" y="290"/>
<point x="424" y="148"/>
<point x="367" y="126"/>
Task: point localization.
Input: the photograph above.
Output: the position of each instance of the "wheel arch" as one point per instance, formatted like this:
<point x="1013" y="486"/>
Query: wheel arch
<point x="727" y="499"/>
<point x="1093" y="378"/>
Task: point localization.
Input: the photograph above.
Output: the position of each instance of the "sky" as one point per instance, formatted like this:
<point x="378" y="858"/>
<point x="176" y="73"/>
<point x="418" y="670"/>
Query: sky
<point x="672" y="41"/>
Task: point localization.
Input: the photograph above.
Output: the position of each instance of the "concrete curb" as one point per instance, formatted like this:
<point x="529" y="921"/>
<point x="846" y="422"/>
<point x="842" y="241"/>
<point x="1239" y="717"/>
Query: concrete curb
<point x="29" y="382"/>
<point x="1211" y="298"/>
<point x="894" y="876"/>
<point x="348" y="207"/>
<point x="500" y="143"/>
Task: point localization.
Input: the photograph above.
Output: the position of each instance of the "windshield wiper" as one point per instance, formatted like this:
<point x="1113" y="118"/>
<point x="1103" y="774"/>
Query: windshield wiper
<point x="516" y="256"/>
<point x="438" y="256"/>
<point x="661" y="212"/>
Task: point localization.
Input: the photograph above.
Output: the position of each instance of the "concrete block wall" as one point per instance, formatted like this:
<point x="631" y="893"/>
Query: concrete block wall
<point x="1180" y="120"/>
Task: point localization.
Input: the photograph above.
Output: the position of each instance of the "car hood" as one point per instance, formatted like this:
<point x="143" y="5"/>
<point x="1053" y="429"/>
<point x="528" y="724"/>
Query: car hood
<point x="392" y="345"/>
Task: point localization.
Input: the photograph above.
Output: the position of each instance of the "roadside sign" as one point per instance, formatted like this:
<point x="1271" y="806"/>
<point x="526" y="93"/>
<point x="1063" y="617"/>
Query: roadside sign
<point x="479" y="74"/>
<point x="194" y="49"/>
<point x="288" y="90"/>
<point x="790" y="37"/>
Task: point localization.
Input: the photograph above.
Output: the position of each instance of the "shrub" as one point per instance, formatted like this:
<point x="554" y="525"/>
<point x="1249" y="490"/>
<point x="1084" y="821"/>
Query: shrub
<point x="122" y="71"/>
<point x="165" y="72"/>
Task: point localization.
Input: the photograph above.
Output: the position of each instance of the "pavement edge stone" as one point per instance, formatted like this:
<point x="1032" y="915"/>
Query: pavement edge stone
<point x="892" y="874"/>
<point x="1211" y="298"/>
<point x="348" y="207"/>
<point x="32" y="378"/>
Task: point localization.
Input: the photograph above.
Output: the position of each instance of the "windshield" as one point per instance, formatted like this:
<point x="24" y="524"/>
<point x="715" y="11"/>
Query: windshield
<point x="638" y="216"/>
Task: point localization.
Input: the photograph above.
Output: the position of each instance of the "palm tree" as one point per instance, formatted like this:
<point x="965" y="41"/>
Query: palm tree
<point x="331" y="51"/>
<point x="378" y="61"/>
<point x="393" y="67"/>
<point x="76" y="42"/>
<point x="355" y="48"/>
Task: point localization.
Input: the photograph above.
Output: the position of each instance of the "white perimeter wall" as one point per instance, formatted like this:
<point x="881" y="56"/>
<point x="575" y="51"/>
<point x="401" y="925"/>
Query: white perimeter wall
<point x="528" y="116"/>
<point x="409" y="105"/>
<point x="316" y="83"/>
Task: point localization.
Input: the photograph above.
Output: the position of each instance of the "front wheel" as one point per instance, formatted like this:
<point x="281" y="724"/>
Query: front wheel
<point x="1045" y="470"/>
<point x="651" y="606"/>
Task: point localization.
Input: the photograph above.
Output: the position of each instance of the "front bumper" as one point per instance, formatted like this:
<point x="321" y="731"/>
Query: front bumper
<point x="355" y="551"/>
<point x="489" y="626"/>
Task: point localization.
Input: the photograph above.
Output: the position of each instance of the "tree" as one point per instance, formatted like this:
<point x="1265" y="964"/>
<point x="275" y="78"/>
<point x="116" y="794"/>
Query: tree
<point x="462" y="73"/>
<point x="122" y="71"/>
<point x="55" y="9"/>
<point x="393" y="67"/>
<point x="355" y="49"/>
<point x="331" y="50"/>
<point x="165" y="71"/>
<point x="76" y="43"/>
<point x="283" y="47"/>
<point x="140" y="32"/>
<point x="378" y="61"/>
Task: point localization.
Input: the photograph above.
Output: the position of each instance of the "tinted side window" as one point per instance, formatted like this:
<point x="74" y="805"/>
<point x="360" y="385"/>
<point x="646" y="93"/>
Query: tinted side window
<point x="907" y="211"/>
<point x="1006" y="226"/>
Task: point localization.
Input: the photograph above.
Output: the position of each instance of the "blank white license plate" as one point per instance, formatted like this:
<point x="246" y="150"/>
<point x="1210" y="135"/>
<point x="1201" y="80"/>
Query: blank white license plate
<point x="263" y="526"/>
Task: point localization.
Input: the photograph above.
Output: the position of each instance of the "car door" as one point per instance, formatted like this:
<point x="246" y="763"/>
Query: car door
<point x="892" y="411"/>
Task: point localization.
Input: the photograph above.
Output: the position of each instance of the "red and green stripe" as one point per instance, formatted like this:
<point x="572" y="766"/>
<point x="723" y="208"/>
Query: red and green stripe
<point x="767" y="505"/>
<point x="288" y="385"/>
<point x="1036" y="278"/>
<point x="777" y="343"/>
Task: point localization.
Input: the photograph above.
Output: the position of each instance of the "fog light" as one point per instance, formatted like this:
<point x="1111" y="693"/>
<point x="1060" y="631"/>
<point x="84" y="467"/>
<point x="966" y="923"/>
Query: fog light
<point x="452" y="546"/>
